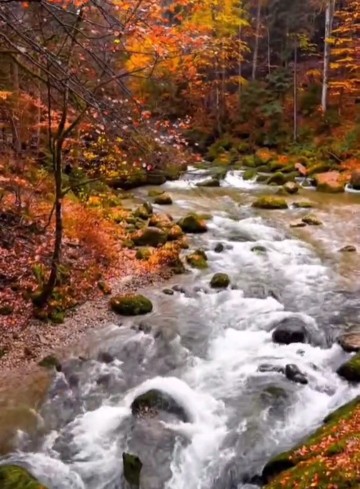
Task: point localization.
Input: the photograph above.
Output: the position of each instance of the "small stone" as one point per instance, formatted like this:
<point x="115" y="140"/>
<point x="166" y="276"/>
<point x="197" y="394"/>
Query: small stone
<point x="219" y="248"/>
<point x="163" y="199"/>
<point x="197" y="259"/>
<point x="348" y="249"/>
<point x="270" y="202"/>
<point x="132" y="466"/>
<point x="105" y="357"/>
<point x="131" y="305"/>
<point x="350" y="370"/>
<point x="311" y="220"/>
<point x="193" y="224"/>
<point x="259" y="250"/>
<point x="297" y="224"/>
<point x="220" y="281"/>
<point x="303" y="204"/>
<point x="50" y="362"/>
<point x="168" y="292"/>
<point x="294" y="374"/>
<point x="291" y="188"/>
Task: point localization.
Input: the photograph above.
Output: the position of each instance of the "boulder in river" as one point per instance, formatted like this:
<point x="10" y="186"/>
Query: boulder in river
<point x="149" y="236"/>
<point x="153" y="401"/>
<point x="350" y="341"/>
<point x="132" y="466"/>
<point x="303" y="204"/>
<point x="268" y="367"/>
<point x="297" y="224"/>
<point x="144" y="211"/>
<point x="220" y="281"/>
<point x="193" y="224"/>
<point x="131" y="304"/>
<point x="15" y="477"/>
<point x="211" y="183"/>
<point x="278" y="178"/>
<point x="350" y="370"/>
<point x="355" y="180"/>
<point x="163" y="199"/>
<point x="270" y="202"/>
<point x="291" y="188"/>
<point x="330" y="182"/>
<point x="290" y="330"/>
<point x="197" y="259"/>
<point x="294" y="374"/>
<point x="175" y="233"/>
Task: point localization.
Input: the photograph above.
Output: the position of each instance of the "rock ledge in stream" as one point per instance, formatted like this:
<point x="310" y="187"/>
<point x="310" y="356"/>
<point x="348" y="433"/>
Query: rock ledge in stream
<point x="198" y="259"/>
<point x="290" y="330"/>
<point x="154" y="401"/>
<point x="132" y="469"/>
<point x="270" y="202"/>
<point x="350" y="341"/>
<point x="15" y="477"/>
<point x="149" y="236"/>
<point x="131" y="305"/>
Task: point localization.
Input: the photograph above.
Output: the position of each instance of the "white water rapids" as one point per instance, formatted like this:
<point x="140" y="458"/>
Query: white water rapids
<point x="204" y="350"/>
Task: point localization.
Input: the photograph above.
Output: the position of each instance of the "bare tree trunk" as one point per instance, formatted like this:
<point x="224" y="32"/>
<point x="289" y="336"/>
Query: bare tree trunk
<point x="295" y="91"/>
<point x="329" y="17"/>
<point x="257" y="38"/>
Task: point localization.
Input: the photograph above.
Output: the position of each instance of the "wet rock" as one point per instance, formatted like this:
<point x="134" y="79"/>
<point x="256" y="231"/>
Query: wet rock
<point x="51" y="362"/>
<point x="132" y="466"/>
<point x="144" y="327"/>
<point x="249" y="174"/>
<point x="297" y="224"/>
<point x="348" y="249"/>
<point x="270" y="202"/>
<point x="153" y="401"/>
<point x="131" y="305"/>
<point x="105" y="357"/>
<point x="303" y="204"/>
<point x="155" y="192"/>
<point x="162" y="221"/>
<point x="15" y="477"/>
<point x="193" y="224"/>
<point x="213" y="182"/>
<point x="294" y="374"/>
<point x="143" y="253"/>
<point x="168" y="292"/>
<point x="104" y="287"/>
<point x="355" y="180"/>
<point x="197" y="259"/>
<point x="179" y="288"/>
<point x="350" y="341"/>
<point x="149" y="236"/>
<point x="267" y="367"/>
<point x="219" y="248"/>
<point x="290" y="330"/>
<point x="220" y="281"/>
<point x="350" y="370"/>
<point x="163" y="199"/>
<point x="330" y="182"/>
<point x="291" y="188"/>
<point x="175" y="233"/>
<point x="259" y="250"/>
<point x="145" y="211"/>
<point x="278" y="178"/>
<point x="276" y="465"/>
<point x="311" y="220"/>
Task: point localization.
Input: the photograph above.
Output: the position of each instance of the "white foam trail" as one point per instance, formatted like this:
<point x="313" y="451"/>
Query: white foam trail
<point x="234" y="178"/>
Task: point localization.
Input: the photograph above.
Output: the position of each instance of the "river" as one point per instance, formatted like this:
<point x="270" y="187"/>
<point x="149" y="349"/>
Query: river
<point x="204" y="348"/>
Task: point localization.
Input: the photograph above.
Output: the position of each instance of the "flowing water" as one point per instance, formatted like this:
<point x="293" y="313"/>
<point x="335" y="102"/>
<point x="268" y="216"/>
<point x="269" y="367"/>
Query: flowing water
<point x="204" y="349"/>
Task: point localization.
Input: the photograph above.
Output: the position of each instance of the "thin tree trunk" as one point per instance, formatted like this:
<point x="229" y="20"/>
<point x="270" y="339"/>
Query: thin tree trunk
<point x="329" y="17"/>
<point x="268" y="51"/>
<point x="257" y="38"/>
<point x="295" y="91"/>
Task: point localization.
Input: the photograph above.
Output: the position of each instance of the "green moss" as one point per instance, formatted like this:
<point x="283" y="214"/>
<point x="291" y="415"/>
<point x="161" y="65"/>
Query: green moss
<point x="351" y="369"/>
<point x="197" y="259"/>
<point x="132" y="466"/>
<point x="249" y="174"/>
<point x="149" y="236"/>
<point x="50" y="362"/>
<point x="131" y="305"/>
<point x="192" y="224"/>
<point x="303" y="204"/>
<point x="163" y="199"/>
<point x="250" y="161"/>
<point x="15" y="477"/>
<point x="270" y="202"/>
<point x="57" y="317"/>
<point x="220" y="281"/>
<point x="155" y="192"/>
<point x="278" y="178"/>
<point x="143" y="253"/>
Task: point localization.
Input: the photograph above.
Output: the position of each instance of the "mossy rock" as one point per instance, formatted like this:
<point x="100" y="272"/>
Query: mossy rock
<point x="193" y="224"/>
<point x="291" y="188"/>
<point x="156" y="178"/>
<point x="162" y="221"/>
<point x="275" y="166"/>
<point x="249" y="174"/>
<point x="278" y="178"/>
<point x="104" y="287"/>
<point x="132" y="466"/>
<point x="197" y="259"/>
<point x="175" y="233"/>
<point x="250" y="161"/>
<point x="57" y="317"/>
<point x="270" y="202"/>
<point x="6" y="310"/>
<point x="145" y="211"/>
<point x="163" y="199"/>
<point x="290" y="177"/>
<point x="264" y="156"/>
<point x="262" y="178"/>
<point x="303" y="204"/>
<point x="50" y="362"/>
<point x="259" y="250"/>
<point x="131" y="305"/>
<point x="143" y="253"/>
<point x="149" y="236"/>
<point x="155" y="193"/>
<point x="220" y="281"/>
<point x="311" y="220"/>
<point x="128" y="243"/>
<point x="350" y="370"/>
<point x="15" y="477"/>
<point x="212" y="183"/>
<point x="319" y="168"/>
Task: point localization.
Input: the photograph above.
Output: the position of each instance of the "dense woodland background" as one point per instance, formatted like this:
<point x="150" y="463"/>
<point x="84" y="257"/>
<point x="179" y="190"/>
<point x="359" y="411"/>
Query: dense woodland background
<point x="113" y="94"/>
